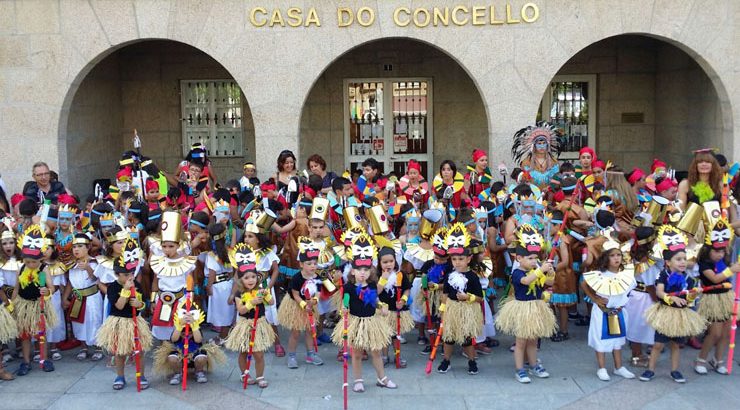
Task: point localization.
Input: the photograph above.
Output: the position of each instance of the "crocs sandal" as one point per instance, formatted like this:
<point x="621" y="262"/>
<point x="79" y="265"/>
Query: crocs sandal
<point x="119" y="383"/>
<point x="82" y="355"/>
<point x="261" y="382"/>
<point x="98" y="355"/>
<point x="358" y="387"/>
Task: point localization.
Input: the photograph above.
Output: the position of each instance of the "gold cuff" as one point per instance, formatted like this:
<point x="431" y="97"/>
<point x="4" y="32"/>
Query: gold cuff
<point x="303" y="304"/>
<point x="125" y="293"/>
<point x="667" y="299"/>
<point x="405" y="298"/>
<point x="382" y="282"/>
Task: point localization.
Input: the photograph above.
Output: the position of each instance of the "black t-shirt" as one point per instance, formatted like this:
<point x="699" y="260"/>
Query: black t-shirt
<point x="472" y="286"/>
<point x="297" y="282"/>
<point x="32" y="291"/>
<point x="688" y="283"/>
<point x="359" y="307"/>
<point x="436" y="272"/>
<point x="260" y="313"/>
<point x="386" y="297"/>
<point x="31" y="190"/>
<point x="705" y="281"/>
<point x="114" y="293"/>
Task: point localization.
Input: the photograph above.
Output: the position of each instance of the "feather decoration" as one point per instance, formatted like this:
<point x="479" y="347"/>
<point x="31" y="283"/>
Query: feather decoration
<point x="703" y="191"/>
<point x="524" y="140"/>
<point x="367" y="295"/>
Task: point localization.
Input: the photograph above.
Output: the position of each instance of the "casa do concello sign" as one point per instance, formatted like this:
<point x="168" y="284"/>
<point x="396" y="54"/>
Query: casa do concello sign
<point x="438" y="16"/>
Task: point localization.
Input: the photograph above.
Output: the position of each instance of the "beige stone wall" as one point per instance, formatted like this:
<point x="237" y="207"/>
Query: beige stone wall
<point x="459" y="114"/>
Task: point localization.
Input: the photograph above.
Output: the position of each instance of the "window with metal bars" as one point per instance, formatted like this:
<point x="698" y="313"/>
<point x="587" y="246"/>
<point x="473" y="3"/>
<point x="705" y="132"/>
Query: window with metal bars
<point x="212" y="114"/>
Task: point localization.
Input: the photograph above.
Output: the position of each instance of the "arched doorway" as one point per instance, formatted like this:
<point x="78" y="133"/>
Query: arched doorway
<point x="635" y="98"/>
<point x="393" y="99"/>
<point x="173" y="94"/>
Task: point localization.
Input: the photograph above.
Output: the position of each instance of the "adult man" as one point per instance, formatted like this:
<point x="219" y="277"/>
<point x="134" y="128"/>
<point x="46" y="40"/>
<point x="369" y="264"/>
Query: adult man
<point x="43" y="187"/>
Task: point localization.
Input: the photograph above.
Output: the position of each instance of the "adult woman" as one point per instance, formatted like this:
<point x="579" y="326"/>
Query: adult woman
<point x="448" y="184"/>
<point x="479" y="176"/>
<point x="286" y="168"/>
<point x="413" y="184"/>
<point x="704" y="182"/>
<point x="536" y="150"/>
<point x="586" y="158"/>
<point x="317" y="166"/>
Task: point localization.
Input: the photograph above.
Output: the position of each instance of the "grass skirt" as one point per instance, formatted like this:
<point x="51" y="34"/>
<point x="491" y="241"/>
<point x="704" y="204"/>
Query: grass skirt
<point x="213" y="352"/>
<point x="674" y="322"/>
<point x="27" y="314"/>
<point x="238" y="339"/>
<point x="116" y="335"/>
<point x="435" y="297"/>
<point x="529" y="319"/>
<point x="462" y="321"/>
<point x="8" y="327"/>
<point x="292" y="317"/>
<point x="367" y="333"/>
<point x="407" y="322"/>
<point x="716" y="307"/>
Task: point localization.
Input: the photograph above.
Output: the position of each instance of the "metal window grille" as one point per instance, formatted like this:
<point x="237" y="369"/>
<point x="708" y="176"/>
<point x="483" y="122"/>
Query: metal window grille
<point x="212" y="114"/>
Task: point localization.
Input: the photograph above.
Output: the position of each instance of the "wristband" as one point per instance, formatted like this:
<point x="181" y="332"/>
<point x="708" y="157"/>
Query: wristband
<point x="10" y="307"/>
<point x="727" y="273"/>
<point x="667" y="299"/>
<point x="442" y="307"/>
<point x="405" y="298"/>
<point x="249" y="305"/>
<point x="125" y="293"/>
<point x="47" y="297"/>
<point x="382" y="305"/>
<point x="471" y="298"/>
<point x="267" y="297"/>
<point x="382" y="282"/>
<point x="303" y="304"/>
<point x="176" y="323"/>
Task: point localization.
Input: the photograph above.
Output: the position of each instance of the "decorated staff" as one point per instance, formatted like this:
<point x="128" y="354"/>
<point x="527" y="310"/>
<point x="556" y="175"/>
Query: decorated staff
<point x="186" y="339"/>
<point x="252" y="335"/>
<point x="137" y="341"/>
<point x="345" y="344"/>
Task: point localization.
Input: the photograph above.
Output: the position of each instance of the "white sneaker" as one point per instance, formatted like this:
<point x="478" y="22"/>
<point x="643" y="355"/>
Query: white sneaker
<point x="603" y="375"/>
<point x="700" y="366"/>
<point x="401" y="339"/>
<point x="7" y="357"/>
<point x="176" y="379"/>
<point x="622" y="371"/>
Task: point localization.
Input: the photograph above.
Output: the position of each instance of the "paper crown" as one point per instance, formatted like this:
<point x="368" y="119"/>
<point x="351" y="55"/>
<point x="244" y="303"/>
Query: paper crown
<point x="129" y="259"/>
<point x="32" y="242"/>
<point x="378" y="220"/>
<point x="352" y="217"/>
<point x="106" y="220"/>
<point x="67" y="211"/>
<point x="171" y="226"/>
<point x="430" y="221"/>
<point x="243" y="257"/>
<point x="671" y="239"/>
<point x="457" y="240"/>
<point x="116" y="234"/>
<point x="529" y="241"/>
<point x="412" y="215"/>
<point x="720" y="235"/>
<point x="438" y="242"/>
<point x="307" y="249"/>
<point x="319" y="209"/>
<point x="260" y="221"/>
<point x="7" y="234"/>
<point x="81" y="239"/>
<point x="350" y="234"/>
<point x="362" y="251"/>
<point x="691" y="219"/>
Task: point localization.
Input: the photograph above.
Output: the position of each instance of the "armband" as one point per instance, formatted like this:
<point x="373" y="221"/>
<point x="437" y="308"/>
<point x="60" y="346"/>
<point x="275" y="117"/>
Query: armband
<point x="125" y="293"/>
<point x="667" y="299"/>
<point x="382" y="282"/>
<point x="405" y="298"/>
<point x="153" y="297"/>
<point x="303" y="304"/>
<point x="471" y="298"/>
<point x="727" y="273"/>
<point x="442" y="307"/>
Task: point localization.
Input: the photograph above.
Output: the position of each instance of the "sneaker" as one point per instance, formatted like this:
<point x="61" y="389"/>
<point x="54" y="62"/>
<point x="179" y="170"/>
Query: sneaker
<point x="24" y="369"/>
<point x="144" y="383"/>
<point x="402" y="339"/>
<point x="677" y="377"/>
<point x="482" y="348"/>
<point x="324" y="338"/>
<point x="56" y="355"/>
<point x="603" y="375"/>
<point x="292" y="362"/>
<point x="314" y="359"/>
<point x="48" y="366"/>
<point x="119" y="383"/>
<point x="36" y="357"/>
<point x="422" y="340"/>
<point x="427" y="349"/>
<point x="200" y="377"/>
<point x="444" y="367"/>
<point x="647" y="375"/>
<point x="521" y="376"/>
<point x="279" y="351"/>
<point x="472" y="367"/>
<point x="622" y="371"/>
<point x="176" y="379"/>
<point x="539" y="371"/>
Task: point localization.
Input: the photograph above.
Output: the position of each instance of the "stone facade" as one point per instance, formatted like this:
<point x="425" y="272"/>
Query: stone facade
<point x="687" y="77"/>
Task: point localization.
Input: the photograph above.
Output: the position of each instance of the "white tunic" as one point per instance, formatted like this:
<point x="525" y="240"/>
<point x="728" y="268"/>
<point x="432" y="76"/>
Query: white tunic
<point x="170" y="284"/>
<point x="264" y="266"/>
<point x="597" y="321"/>
<point x="58" y="332"/>
<point x="85" y="331"/>
<point x="220" y="312"/>
<point x="638" y="330"/>
<point x="489" y="329"/>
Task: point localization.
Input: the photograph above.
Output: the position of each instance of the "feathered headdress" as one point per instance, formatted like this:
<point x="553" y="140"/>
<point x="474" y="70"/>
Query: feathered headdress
<point x="525" y="139"/>
<point x="457" y="240"/>
<point x="33" y="242"/>
<point x="719" y="235"/>
<point x="529" y="241"/>
<point x="129" y="259"/>
<point x="307" y="249"/>
<point x="362" y="252"/>
<point x="243" y="257"/>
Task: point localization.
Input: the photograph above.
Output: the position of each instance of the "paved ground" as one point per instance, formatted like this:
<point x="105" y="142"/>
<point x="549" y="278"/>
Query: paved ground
<point x="573" y="384"/>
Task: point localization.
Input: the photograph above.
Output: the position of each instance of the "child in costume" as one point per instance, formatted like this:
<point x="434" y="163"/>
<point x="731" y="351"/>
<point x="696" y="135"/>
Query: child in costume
<point x="565" y="285"/>
<point x="8" y="327"/>
<point x="220" y="283"/>
<point x="671" y="316"/>
<point x="527" y="316"/>
<point x="608" y="288"/>
<point x="32" y="285"/>
<point x="82" y="298"/>
<point x="462" y="317"/>
<point x="202" y="357"/>
<point x="301" y="299"/>
<point x="171" y="271"/>
<point x="114" y="240"/>
<point x="367" y="331"/>
<point x="116" y="335"/>
<point x="57" y="272"/>
<point x="10" y="264"/>
<point x="640" y="333"/>
<point x="393" y="283"/>
<point x="251" y="300"/>
<point x="716" y="305"/>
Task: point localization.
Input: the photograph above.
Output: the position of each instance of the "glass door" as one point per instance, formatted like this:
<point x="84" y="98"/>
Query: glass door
<point x="407" y="136"/>
<point x="570" y="104"/>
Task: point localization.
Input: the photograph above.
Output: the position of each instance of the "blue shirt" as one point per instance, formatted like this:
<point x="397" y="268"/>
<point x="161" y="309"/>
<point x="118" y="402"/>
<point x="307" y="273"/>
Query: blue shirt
<point x="520" y="290"/>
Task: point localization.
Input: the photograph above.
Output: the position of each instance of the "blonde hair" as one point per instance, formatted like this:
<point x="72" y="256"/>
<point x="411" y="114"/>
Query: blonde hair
<point x="715" y="176"/>
<point x="616" y="181"/>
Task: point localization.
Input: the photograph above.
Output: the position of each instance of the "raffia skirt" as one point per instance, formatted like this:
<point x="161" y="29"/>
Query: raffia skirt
<point x="214" y="354"/>
<point x="238" y="339"/>
<point x="116" y="335"/>
<point x="366" y="333"/>
<point x="462" y="321"/>
<point x="530" y="319"/>
<point x="27" y="314"/>
<point x="292" y="317"/>
<point x="716" y="307"/>
<point x="673" y="321"/>
<point x="8" y="327"/>
<point x="407" y="322"/>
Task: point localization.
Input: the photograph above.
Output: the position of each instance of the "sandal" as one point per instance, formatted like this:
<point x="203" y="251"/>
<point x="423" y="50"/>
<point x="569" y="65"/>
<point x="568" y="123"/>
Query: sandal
<point x="641" y="361"/>
<point x="119" y="383"/>
<point x="718" y="366"/>
<point x="359" y="387"/>
<point x="559" y="337"/>
<point x="700" y="366"/>
<point x="582" y="322"/>
<point x="56" y="354"/>
<point x="386" y="382"/>
<point x="82" y="355"/>
<point x="6" y="375"/>
<point x="98" y="355"/>
<point x="261" y="382"/>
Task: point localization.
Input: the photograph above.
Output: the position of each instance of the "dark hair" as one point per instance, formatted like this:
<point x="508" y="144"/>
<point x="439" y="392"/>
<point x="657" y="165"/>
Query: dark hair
<point x="387" y="251"/>
<point x="28" y="207"/>
<point x="721" y="159"/>
<point x="372" y="163"/>
<point x="703" y="256"/>
<point x="200" y="217"/>
<point x="602" y="263"/>
<point x="284" y="155"/>
<point x="523" y="190"/>
<point x="197" y="164"/>
<point x="317" y="159"/>
<point x="452" y="165"/>
<point x="222" y="194"/>
<point x="315" y="182"/>
<point x="567" y="167"/>
<point x="497" y="186"/>
<point x="140" y="210"/>
<point x="339" y="183"/>
<point x="263" y="240"/>
<point x="219" y="246"/>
